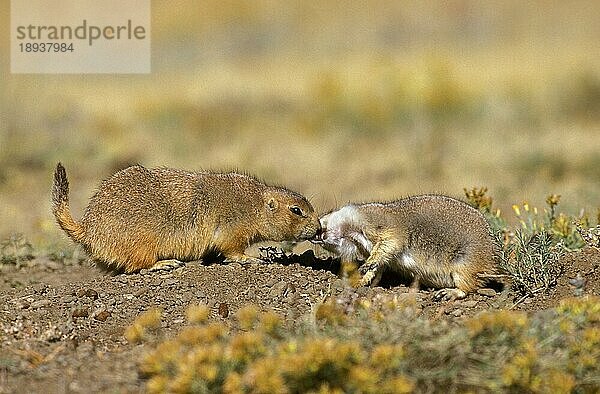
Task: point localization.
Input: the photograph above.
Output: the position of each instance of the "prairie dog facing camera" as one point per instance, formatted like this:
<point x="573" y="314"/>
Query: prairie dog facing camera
<point x="438" y="241"/>
<point x="157" y="218"/>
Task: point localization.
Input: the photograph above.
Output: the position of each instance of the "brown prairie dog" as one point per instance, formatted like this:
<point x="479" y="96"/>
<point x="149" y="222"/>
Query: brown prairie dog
<point x="436" y="240"/>
<point x="155" y="218"/>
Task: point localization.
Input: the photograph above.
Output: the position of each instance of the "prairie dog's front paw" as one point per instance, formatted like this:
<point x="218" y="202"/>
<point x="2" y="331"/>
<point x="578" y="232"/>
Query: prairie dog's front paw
<point x="367" y="278"/>
<point x="366" y="267"/>
<point x="166" y="265"/>
<point x="449" y="294"/>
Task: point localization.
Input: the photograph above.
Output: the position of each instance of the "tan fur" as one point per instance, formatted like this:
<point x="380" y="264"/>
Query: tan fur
<point x="436" y="240"/>
<point x="141" y="216"/>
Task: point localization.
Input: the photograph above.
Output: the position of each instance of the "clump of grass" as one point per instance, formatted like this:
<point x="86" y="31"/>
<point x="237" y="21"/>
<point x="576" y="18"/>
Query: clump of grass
<point x="530" y="255"/>
<point x="383" y="346"/>
<point x="532" y="261"/>
<point x="16" y="250"/>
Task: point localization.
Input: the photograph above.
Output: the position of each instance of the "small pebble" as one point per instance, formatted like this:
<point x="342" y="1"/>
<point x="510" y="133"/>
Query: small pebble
<point x="223" y="310"/>
<point x="23" y="304"/>
<point x="102" y="315"/>
<point x="487" y="292"/>
<point x="470" y="303"/>
<point x="457" y="312"/>
<point x="40" y="304"/>
<point x="67" y="299"/>
<point x="140" y="292"/>
<point x="272" y="282"/>
<point x="278" y="290"/>
<point x="91" y="293"/>
<point x="80" y="312"/>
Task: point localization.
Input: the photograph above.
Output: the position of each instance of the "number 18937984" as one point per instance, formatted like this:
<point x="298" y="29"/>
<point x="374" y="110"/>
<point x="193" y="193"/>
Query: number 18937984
<point x="50" y="47"/>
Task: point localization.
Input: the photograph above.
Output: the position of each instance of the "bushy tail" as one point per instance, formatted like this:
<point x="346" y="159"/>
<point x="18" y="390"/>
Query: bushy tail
<point x="60" y="205"/>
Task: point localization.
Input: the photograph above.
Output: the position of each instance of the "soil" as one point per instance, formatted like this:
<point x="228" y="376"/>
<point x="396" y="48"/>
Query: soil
<point x="62" y="324"/>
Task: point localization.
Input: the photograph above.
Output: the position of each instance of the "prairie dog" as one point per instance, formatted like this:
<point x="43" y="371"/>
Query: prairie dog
<point x="156" y="218"/>
<point x="436" y="240"/>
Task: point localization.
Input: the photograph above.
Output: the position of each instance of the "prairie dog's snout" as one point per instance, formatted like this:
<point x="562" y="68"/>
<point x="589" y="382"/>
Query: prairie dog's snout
<point x="341" y="233"/>
<point x="321" y="231"/>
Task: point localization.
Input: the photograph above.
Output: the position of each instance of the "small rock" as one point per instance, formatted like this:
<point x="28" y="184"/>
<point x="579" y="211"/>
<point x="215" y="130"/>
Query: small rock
<point x="91" y="293"/>
<point x="23" y="304"/>
<point x="40" y="304"/>
<point x="470" y="303"/>
<point x="128" y="296"/>
<point x="272" y="282"/>
<point x="101" y="315"/>
<point x="157" y="282"/>
<point x="67" y="299"/>
<point x="80" y="312"/>
<point x="457" y="312"/>
<point x="278" y="289"/>
<point x="140" y="292"/>
<point x="170" y="282"/>
<point x="80" y="293"/>
<point x="144" y="271"/>
<point x="487" y="292"/>
<point x="223" y="310"/>
<point x="302" y="282"/>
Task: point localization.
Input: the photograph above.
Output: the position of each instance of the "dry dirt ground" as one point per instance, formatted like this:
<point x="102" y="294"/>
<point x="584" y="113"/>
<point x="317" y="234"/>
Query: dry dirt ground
<point x="62" y="324"/>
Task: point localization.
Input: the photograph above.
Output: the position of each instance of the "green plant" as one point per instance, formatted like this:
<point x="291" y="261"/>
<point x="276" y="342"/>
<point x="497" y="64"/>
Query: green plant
<point x="15" y="250"/>
<point x="532" y="261"/>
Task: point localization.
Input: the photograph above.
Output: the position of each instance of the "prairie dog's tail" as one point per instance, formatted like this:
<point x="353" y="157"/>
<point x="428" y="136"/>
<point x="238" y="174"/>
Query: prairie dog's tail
<point x="60" y="205"/>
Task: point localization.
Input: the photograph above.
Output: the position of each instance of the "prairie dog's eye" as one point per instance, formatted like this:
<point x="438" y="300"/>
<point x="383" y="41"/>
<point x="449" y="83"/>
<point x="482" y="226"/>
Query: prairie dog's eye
<point x="296" y="211"/>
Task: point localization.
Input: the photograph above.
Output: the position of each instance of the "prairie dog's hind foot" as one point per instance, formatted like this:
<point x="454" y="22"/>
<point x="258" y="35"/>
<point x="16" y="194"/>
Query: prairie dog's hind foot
<point x="449" y="294"/>
<point x="166" y="265"/>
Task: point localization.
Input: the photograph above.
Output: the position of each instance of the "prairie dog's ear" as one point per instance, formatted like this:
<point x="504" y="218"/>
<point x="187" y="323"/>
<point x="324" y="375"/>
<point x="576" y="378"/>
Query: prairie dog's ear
<point x="272" y="204"/>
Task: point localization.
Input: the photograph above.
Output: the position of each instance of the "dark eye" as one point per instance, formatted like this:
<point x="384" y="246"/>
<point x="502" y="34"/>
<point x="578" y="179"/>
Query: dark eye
<point x="296" y="211"/>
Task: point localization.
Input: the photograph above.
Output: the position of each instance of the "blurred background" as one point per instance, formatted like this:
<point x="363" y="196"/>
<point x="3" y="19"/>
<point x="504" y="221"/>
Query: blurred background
<point x="340" y="100"/>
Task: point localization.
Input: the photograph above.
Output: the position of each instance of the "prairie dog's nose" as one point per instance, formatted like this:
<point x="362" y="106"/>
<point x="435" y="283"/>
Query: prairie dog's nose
<point x="319" y="232"/>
